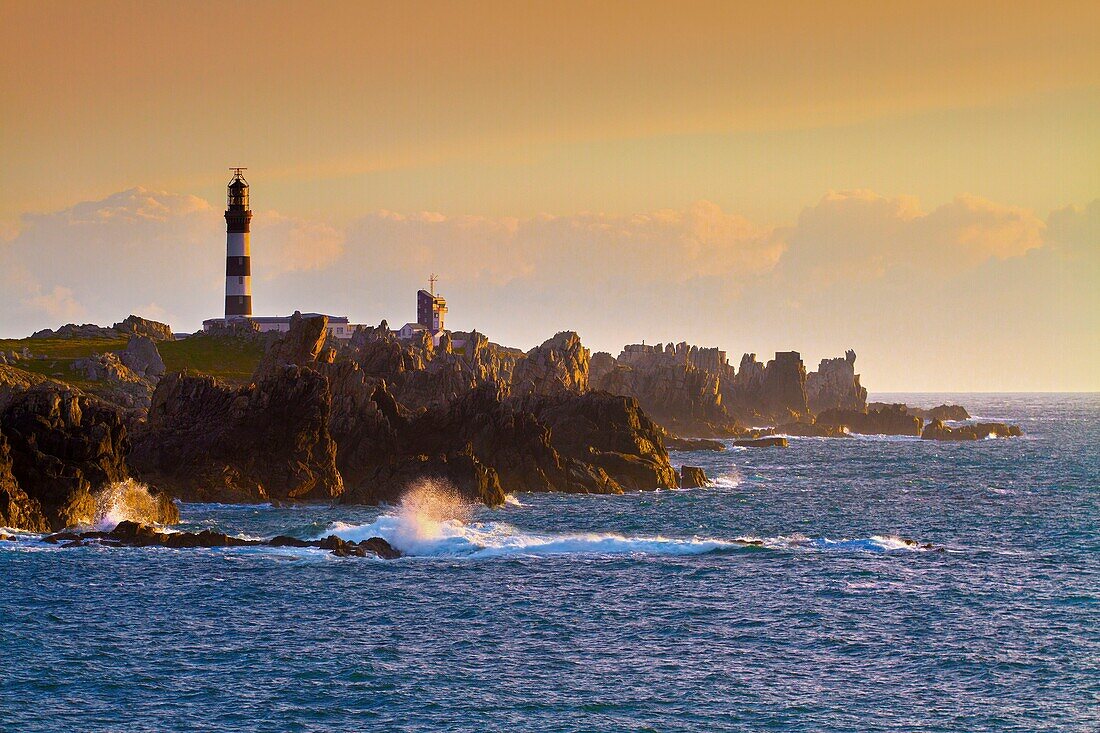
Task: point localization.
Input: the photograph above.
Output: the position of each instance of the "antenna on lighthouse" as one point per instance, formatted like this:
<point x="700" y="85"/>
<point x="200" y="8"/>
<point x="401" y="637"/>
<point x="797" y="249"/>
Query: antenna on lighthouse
<point x="432" y="280"/>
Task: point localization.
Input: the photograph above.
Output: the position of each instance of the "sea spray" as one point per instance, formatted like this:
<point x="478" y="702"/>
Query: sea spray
<point x="131" y="500"/>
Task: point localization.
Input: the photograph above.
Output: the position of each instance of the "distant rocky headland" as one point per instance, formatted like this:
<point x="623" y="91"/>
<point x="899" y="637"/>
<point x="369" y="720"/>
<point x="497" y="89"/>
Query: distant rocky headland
<point x="235" y="415"/>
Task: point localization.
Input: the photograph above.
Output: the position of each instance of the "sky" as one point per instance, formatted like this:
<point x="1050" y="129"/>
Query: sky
<point x="917" y="181"/>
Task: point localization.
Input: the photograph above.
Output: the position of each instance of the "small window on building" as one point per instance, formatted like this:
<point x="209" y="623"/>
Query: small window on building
<point x="240" y="280"/>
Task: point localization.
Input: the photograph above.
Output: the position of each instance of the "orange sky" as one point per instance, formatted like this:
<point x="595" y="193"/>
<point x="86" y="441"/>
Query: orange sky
<point x="511" y="110"/>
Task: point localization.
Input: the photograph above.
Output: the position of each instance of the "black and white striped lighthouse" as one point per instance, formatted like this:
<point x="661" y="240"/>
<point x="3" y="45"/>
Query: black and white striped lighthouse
<point x="238" y="270"/>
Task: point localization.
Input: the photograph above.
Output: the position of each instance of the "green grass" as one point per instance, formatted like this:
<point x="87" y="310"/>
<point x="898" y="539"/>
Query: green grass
<point x="64" y="348"/>
<point x="232" y="360"/>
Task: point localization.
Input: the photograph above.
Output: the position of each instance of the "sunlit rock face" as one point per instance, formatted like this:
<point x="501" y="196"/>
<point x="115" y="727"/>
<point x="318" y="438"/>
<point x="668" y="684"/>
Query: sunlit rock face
<point x="835" y="385"/>
<point x="679" y="385"/>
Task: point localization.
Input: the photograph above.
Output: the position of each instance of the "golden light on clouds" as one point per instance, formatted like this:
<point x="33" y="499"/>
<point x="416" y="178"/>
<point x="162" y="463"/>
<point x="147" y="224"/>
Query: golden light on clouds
<point x="747" y="157"/>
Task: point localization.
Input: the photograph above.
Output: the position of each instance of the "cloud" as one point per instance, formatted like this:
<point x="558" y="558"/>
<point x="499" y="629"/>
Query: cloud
<point x="291" y="244"/>
<point x="856" y="236"/>
<point x="59" y="304"/>
<point x="666" y="246"/>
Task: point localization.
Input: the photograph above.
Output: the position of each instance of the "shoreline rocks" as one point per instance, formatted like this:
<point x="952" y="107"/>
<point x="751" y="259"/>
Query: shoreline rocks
<point x="134" y="534"/>
<point x="936" y="430"/>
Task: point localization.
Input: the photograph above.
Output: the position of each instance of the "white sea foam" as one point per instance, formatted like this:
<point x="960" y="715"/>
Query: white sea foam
<point x="511" y="500"/>
<point x="432" y="521"/>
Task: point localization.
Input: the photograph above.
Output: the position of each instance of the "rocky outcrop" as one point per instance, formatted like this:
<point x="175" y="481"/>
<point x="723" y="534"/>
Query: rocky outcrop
<point x="207" y="441"/>
<point x="936" y="430"/>
<point x="17" y="509"/>
<point x="679" y="385"/>
<point x="812" y="429"/>
<point x="301" y="345"/>
<point x="559" y="364"/>
<point x="835" y="386"/>
<point x="138" y="326"/>
<point x="775" y="441"/>
<point x="142" y="358"/>
<point x="485" y="442"/>
<point x="760" y="394"/>
<point x="941" y="412"/>
<point x="133" y="534"/>
<point x="692" y="477"/>
<point x="65" y="449"/>
<point x="131" y="326"/>
<point x="889" y="420"/>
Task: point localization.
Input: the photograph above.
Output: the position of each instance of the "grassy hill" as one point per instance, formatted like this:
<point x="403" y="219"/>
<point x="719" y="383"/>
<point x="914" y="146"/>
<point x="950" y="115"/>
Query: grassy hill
<point x="229" y="359"/>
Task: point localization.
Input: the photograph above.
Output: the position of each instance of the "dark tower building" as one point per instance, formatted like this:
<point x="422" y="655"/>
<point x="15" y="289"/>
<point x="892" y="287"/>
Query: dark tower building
<point x="238" y="268"/>
<point x="430" y="308"/>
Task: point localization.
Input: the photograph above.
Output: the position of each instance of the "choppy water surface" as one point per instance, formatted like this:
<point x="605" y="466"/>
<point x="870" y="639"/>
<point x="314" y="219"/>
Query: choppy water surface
<point x="637" y="612"/>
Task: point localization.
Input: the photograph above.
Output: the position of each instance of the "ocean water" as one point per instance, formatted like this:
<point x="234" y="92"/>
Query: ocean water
<point x="598" y="613"/>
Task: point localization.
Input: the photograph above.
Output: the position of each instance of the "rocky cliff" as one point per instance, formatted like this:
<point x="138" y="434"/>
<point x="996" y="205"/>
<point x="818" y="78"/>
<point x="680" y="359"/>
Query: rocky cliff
<point x="59" y="451"/>
<point x="768" y="394"/>
<point x="207" y="441"/>
<point x="835" y="386"/>
<point x="680" y="386"/>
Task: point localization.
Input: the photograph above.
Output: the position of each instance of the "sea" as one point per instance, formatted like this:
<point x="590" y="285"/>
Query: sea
<point x="859" y="584"/>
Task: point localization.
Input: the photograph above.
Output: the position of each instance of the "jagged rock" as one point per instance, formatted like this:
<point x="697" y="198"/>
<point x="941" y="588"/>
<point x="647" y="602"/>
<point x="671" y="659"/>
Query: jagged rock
<point x="300" y="346"/>
<point x="558" y="364"/>
<point x="14" y="381"/>
<point x="208" y="441"/>
<point x="889" y="420"/>
<point x="835" y="385"/>
<point x="142" y="357"/>
<point x="73" y="330"/>
<point x="692" y="477"/>
<point x="65" y="448"/>
<point x="133" y="534"/>
<point x="942" y="412"/>
<point x="813" y="429"/>
<point x="772" y="393"/>
<point x="774" y="441"/>
<point x="17" y="509"/>
<point x="138" y="326"/>
<point x="115" y="382"/>
<point x="680" y="385"/>
<point x="691" y="444"/>
<point x="936" y="430"/>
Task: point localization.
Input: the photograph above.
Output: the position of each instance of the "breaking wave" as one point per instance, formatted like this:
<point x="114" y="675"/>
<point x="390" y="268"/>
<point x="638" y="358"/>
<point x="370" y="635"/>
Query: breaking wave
<point x="123" y="501"/>
<point x="433" y="521"/>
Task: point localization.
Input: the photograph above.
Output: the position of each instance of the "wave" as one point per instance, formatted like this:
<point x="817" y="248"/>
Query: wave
<point x="434" y="522"/>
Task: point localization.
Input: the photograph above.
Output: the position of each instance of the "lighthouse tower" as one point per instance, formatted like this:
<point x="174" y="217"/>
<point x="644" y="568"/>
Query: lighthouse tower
<point x="238" y="270"/>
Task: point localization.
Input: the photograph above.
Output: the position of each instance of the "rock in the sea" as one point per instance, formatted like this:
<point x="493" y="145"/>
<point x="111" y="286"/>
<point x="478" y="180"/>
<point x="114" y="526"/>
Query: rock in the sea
<point x="767" y="394"/>
<point x="134" y="534"/>
<point x="936" y="430"/>
<point x="692" y="477"/>
<point x="774" y="441"/>
<point x="835" y="386"/>
<point x="812" y="429"/>
<point x="889" y="420"/>
<point x="692" y="444"/>
<point x="940" y="412"/>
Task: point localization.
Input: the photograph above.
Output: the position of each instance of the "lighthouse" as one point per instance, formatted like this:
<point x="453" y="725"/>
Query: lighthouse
<point x="238" y="269"/>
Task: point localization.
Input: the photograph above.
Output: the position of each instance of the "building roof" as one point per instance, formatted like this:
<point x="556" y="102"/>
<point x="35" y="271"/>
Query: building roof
<point x="281" y="319"/>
